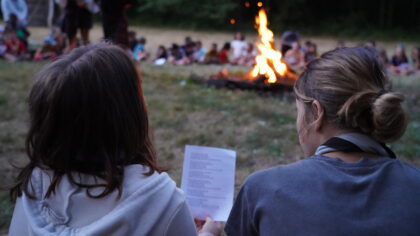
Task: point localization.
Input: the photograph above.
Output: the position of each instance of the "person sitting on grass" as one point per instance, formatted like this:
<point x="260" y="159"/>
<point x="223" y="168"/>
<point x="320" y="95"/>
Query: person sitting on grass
<point x="295" y="58"/>
<point x="399" y="61"/>
<point x="383" y="58"/>
<point x="224" y="54"/>
<point x="161" y="56"/>
<point x="54" y="45"/>
<point x="415" y="67"/>
<point x="199" y="54"/>
<point x="351" y="182"/>
<point x="15" y="49"/>
<point x="248" y="56"/>
<point x="177" y="56"/>
<point x="139" y="52"/>
<point x="132" y="40"/>
<point x="21" y="31"/>
<point x="189" y="52"/>
<point x="188" y="47"/>
<point x="310" y="52"/>
<point x="287" y="39"/>
<point x="238" y="46"/>
<point x="212" y="56"/>
<point x="92" y="165"/>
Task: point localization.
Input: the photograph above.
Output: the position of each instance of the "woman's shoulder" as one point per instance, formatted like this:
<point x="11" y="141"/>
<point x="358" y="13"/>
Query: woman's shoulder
<point x="136" y="182"/>
<point x="137" y="179"/>
<point x="304" y="170"/>
<point x="408" y="170"/>
<point x="281" y="173"/>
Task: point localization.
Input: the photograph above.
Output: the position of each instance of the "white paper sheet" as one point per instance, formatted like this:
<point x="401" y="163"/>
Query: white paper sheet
<point x="208" y="179"/>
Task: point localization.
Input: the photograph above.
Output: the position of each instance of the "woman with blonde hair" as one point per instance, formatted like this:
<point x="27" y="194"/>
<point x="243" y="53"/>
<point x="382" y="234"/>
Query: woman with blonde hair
<point x="351" y="183"/>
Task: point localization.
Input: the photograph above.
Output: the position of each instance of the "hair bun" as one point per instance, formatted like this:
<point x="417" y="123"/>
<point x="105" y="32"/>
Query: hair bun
<point x="388" y="117"/>
<point x="354" y="113"/>
<point x="378" y="114"/>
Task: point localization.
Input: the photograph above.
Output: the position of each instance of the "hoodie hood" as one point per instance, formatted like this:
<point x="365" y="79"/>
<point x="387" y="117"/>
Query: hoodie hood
<point x="145" y="202"/>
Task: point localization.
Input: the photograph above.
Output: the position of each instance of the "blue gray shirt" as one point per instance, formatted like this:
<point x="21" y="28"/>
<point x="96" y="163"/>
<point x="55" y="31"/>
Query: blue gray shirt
<point x="326" y="196"/>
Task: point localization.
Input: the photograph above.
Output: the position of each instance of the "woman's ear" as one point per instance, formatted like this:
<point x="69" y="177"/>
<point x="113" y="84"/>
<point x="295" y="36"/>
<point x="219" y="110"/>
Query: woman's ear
<point x="318" y="112"/>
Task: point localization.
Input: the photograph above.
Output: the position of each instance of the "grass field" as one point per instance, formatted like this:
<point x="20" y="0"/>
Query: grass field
<point x="260" y="129"/>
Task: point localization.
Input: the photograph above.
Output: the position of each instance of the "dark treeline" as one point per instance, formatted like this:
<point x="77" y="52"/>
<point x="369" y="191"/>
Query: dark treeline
<point x="323" y="16"/>
<point x="383" y="14"/>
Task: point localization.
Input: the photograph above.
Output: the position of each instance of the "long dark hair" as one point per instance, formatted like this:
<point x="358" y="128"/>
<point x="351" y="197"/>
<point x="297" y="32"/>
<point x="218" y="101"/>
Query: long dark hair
<point x="87" y="115"/>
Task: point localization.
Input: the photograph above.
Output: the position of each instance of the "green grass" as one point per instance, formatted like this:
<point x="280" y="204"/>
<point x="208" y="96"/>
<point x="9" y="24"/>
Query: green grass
<point x="260" y="129"/>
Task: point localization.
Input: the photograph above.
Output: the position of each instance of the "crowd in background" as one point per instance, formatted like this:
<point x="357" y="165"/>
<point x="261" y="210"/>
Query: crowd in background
<point x="77" y="16"/>
<point x="400" y="63"/>
<point x="236" y="52"/>
<point x="241" y="52"/>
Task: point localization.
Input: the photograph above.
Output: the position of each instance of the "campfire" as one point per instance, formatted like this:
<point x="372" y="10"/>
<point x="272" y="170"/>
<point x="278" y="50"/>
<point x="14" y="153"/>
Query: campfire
<point x="269" y="65"/>
<point x="269" y="74"/>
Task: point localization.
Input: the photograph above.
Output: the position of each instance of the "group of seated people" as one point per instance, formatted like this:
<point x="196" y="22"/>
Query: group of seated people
<point x="237" y="52"/>
<point x="241" y="52"/>
<point x="400" y="63"/>
<point x="14" y="46"/>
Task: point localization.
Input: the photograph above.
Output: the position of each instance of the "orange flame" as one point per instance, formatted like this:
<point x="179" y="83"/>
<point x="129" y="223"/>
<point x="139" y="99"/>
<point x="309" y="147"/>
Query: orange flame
<point x="268" y="61"/>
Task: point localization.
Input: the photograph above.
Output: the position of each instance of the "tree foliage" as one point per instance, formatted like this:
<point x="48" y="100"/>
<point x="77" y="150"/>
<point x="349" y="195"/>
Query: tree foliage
<point x="329" y="15"/>
<point x="186" y="12"/>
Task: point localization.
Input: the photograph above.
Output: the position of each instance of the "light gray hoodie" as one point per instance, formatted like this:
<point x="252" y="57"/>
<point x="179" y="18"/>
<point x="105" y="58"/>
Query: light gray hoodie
<point x="149" y="205"/>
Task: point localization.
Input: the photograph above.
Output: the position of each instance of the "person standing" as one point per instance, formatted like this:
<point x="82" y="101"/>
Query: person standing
<point x="78" y="14"/>
<point x="114" y="21"/>
<point x="17" y="7"/>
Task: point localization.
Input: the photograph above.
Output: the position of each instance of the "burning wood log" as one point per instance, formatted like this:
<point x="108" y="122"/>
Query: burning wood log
<point x="258" y="85"/>
<point x="269" y="74"/>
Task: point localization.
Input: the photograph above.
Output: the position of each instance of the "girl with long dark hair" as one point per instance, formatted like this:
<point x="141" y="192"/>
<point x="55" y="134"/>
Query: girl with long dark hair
<point x="92" y="167"/>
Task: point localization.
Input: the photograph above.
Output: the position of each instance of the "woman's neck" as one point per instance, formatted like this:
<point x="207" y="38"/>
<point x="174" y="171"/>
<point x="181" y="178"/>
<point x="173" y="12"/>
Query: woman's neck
<point x="329" y="131"/>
